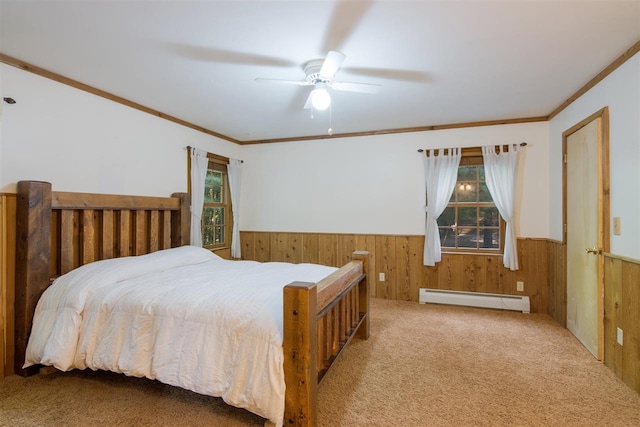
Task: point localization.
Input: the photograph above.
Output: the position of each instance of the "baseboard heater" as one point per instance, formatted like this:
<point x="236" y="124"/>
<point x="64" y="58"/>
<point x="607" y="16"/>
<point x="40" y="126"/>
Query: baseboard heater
<point x="475" y="299"/>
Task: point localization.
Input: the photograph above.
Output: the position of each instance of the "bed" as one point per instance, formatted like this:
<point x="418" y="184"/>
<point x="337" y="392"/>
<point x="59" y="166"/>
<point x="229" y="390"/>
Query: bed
<point x="61" y="234"/>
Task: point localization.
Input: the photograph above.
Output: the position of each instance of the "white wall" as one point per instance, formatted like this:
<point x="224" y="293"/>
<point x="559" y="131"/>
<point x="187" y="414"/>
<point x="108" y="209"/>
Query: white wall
<point x="82" y="142"/>
<point x="620" y="91"/>
<point x="375" y="184"/>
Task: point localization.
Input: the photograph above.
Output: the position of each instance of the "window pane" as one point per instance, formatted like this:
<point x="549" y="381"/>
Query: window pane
<point x="467" y="173"/>
<point x="219" y="235"/>
<point x="207" y="236"/>
<point x="489" y="217"/>
<point x="481" y="173"/>
<point x="468" y="216"/>
<point x="467" y="237"/>
<point x="448" y="237"/>
<point x="207" y="216"/>
<point x="467" y="191"/>
<point x="489" y="238"/>
<point x="448" y="217"/>
<point x="213" y="187"/>
<point x="213" y="178"/>
<point x="485" y="196"/>
<point x="471" y="220"/>
<point x="218" y="216"/>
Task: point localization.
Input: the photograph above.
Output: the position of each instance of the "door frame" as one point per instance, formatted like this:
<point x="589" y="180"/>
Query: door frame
<point x="603" y="208"/>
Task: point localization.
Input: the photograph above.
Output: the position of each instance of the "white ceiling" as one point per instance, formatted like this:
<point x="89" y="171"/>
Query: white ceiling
<point x="439" y="62"/>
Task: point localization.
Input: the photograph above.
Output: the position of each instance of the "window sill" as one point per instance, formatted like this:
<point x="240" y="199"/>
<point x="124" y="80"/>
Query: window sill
<point x="472" y="253"/>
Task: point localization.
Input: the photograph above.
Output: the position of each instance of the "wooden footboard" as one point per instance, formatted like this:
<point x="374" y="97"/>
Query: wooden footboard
<point x="319" y="321"/>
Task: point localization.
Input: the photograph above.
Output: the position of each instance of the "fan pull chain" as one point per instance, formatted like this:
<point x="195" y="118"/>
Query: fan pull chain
<point x="330" y="131"/>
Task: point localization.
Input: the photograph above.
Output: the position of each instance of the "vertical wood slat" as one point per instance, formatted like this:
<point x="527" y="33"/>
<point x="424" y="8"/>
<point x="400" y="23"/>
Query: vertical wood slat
<point x="356" y="307"/>
<point x="247" y="245"/>
<point x="107" y="234"/>
<point x="403" y="265"/>
<point x="166" y="229"/>
<point x="124" y="237"/>
<point x="54" y="261"/>
<point x="335" y="330"/>
<point x="140" y="232"/>
<point x="320" y="345"/>
<point x="262" y="247"/>
<point x="612" y="314"/>
<point x="66" y="241"/>
<point x="343" y="320"/>
<point x="88" y="237"/>
<point x="7" y="279"/>
<point x="363" y="294"/>
<point x="181" y="222"/>
<point x="301" y="365"/>
<point x="631" y="324"/>
<point x="328" y="250"/>
<point x="346" y="247"/>
<point x="328" y="345"/>
<point x="154" y="231"/>
<point x="33" y="252"/>
<point x="310" y="251"/>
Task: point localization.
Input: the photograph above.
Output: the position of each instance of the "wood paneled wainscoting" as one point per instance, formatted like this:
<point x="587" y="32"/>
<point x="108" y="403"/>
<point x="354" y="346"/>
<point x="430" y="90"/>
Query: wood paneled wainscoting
<point x="557" y="277"/>
<point x="400" y="259"/>
<point x="7" y="279"/>
<point x="622" y="310"/>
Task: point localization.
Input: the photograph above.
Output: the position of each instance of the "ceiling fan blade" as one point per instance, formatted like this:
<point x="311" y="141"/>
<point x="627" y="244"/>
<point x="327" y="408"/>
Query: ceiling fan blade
<point x="344" y="20"/>
<point x="285" y="82"/>
<point x="391" y="74"/>
<point x="356" y="87"/>
<point x="222" y="56"/>
<point x="331" y="64"/>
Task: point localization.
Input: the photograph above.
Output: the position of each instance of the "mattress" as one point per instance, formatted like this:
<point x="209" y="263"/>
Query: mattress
<point x="183" y="316"/>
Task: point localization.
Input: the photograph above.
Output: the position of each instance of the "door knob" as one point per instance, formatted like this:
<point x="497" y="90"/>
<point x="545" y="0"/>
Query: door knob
<point x="594" y="250"/>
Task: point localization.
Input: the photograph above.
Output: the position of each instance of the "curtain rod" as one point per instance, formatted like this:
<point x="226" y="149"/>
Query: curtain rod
<point x="522" y="144"/>
<point x="188" y="147"/>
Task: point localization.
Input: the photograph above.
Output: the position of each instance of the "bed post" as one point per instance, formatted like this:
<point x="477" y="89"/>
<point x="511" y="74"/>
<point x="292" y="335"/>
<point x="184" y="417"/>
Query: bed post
<point x="300" y="354"/>
<point x="181" y="222"/>
<point x="363" y="293"/>
<point x="33" y="254"/>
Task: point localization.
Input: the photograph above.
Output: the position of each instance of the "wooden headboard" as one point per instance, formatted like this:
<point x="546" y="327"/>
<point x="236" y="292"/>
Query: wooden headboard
<point x="57" y="232"/>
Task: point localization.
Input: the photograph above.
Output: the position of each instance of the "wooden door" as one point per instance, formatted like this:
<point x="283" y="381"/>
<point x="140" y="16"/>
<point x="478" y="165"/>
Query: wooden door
<point x="585" y="218"/>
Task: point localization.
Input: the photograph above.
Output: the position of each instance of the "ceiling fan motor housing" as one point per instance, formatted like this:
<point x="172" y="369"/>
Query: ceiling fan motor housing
<point x="312" y="71"/>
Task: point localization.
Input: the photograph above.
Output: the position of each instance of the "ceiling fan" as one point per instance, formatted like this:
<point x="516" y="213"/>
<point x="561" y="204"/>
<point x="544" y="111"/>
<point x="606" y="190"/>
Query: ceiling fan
<point x="320" y="74"/>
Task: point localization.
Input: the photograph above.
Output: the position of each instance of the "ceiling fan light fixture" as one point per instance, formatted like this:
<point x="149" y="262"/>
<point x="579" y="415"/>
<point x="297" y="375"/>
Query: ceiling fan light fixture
<point x="320" y="98"/>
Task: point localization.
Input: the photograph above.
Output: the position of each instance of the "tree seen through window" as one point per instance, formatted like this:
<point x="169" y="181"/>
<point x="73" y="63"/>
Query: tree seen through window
<point x="471" y="219"/>
<point x="215" y="206"/>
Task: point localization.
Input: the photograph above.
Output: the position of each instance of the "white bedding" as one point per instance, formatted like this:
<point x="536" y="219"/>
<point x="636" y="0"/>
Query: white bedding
<point x="183" y="316"/>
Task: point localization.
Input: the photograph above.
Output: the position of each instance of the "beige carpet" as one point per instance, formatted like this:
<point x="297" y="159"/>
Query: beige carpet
<point x="424" y="365"/>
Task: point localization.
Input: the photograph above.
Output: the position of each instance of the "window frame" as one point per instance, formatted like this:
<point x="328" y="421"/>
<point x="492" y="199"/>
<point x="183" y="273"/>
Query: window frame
<point x="217" y="163"/>
<point x="473" y="157"/>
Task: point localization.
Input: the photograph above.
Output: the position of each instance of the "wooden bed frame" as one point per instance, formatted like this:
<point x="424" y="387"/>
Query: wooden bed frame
<point x="58" y="231"/>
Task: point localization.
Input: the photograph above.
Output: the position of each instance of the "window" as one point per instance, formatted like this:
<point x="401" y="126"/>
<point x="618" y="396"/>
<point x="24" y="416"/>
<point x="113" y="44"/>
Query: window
<point x="471" y="220"/>
<point x="216" y="213"/>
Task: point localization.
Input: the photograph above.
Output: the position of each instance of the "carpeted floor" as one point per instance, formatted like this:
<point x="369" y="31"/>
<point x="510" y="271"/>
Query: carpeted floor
<point x="424" y="365"/>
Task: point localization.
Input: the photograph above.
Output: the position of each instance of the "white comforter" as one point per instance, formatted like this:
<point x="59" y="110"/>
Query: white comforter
<point x="182" y="316"/>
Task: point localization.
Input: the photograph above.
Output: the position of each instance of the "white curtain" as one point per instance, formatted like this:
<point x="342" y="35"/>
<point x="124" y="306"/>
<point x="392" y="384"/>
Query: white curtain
<point x="441" y="174"/>
<point x="500" y="174"/>
<point x="234" y="170"/>
<point x="199" y="163"/>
